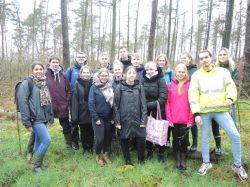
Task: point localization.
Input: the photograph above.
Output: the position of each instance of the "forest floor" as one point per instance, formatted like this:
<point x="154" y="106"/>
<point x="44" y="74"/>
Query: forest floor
<point x="64" y="169"/>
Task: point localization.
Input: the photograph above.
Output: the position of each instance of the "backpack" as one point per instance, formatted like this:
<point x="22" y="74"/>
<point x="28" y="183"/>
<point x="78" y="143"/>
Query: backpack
<point x="30" y="84"/>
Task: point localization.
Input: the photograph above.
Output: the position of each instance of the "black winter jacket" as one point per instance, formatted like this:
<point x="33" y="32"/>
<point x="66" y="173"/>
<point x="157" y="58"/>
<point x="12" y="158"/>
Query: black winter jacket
<point x="155" y="90"/>
<point x="79" y="106"/>
<point x="130" y="109"/>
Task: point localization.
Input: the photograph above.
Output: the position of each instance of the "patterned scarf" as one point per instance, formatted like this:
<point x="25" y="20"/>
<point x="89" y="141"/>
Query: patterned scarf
<point x="106" y="88"/>
<point x="40" y="82"/>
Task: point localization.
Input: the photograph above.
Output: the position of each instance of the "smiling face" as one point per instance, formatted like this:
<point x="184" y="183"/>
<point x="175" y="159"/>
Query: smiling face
<point x="185" y="59"/>
<point x="104" y="77"/>
<point x="54" y="64"/>
<point x="131" y="75"/>
<point x="38" y="70"/>
<point x="123" y="52"/>
<point x="81" y="59"/>
<point x="117" y="71"/>
<point x="85" y="74"/>
<point x="223" y="57"/>
<point x="161" y="62"/>
<point x="180" y="73"/>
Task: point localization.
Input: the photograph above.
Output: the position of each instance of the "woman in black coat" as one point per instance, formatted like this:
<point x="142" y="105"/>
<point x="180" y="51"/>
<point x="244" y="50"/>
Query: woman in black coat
<point x="131" y="114"/>
<point x="155" y="91"/>
<point x="80" y="113"/>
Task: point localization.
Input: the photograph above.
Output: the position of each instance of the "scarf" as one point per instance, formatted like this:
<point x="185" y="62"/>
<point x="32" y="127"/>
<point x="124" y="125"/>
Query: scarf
<point x="56" y="73"/>
<point x="106" y="89"/>
<point x="40" y="82"/>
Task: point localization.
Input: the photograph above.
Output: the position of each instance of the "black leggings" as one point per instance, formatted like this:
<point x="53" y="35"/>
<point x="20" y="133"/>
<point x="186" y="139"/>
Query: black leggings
<point x="216" y="133"/>
<point x="87" y="136"/>
<point x="180" y="138"/>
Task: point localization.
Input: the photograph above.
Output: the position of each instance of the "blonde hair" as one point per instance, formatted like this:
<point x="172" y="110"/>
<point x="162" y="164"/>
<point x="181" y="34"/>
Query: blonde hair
<point x="85" y="67"/>
<point x="150" y="65"/>
<point x="181" y="83"/>
<point x="189" y="56"/>
<point x="117" y="63"/>
<point x="167" y="62"/>
<point x="231" y="63"/>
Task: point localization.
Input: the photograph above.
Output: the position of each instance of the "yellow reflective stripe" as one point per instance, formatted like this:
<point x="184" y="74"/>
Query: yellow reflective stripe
<point x="206" y="108"/>
<point x="221" y="90"/>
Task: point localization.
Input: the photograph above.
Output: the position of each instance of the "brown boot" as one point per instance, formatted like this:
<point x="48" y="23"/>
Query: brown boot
<point x="99" y="159"/>
<point x="106" y="158"/>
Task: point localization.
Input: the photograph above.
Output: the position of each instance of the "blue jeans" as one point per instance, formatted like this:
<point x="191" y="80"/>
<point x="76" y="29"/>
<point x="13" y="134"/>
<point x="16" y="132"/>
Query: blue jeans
<point x="226" y="122"/>
<point x="42" y="138"/>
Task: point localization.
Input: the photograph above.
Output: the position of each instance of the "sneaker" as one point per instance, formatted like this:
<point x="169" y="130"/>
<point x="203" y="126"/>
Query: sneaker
<point x="241" y="172"/>
<point x="204" y="168"/>
<point x="218" y="151"/>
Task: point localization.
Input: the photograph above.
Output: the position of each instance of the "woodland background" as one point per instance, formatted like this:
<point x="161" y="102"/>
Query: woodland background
<point x="96" y="26"/>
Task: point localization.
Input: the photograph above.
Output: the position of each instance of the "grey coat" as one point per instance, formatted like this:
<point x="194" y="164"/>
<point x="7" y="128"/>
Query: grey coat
<point x="130" y="110"/>
<point x="30" y="106"/>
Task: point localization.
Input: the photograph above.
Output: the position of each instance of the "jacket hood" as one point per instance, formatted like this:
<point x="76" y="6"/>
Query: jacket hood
<point x="191" y="66"/>
<point x="155" y="77"/>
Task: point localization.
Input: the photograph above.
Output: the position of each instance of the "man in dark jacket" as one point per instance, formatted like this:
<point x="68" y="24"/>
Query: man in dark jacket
<point x="124" y="57"/>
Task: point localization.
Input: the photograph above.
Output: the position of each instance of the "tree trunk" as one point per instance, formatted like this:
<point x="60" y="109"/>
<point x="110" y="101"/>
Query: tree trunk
<point x="84" y="25"/>
<point x="33" y="30"/>
<point x="169" y="26"/>
<point x="112" y="56"/>
<point x="152" y="30"/>
<point x="65" y="34"/>
<point x="2" y="9"/>
<point x="192" y="28"/>
<point x="228" y="24"/>
<point x="45" y="28"/>
<point x="210" y="9"/>
<point x="128" y="24"/>
<point x="246" y="72"/>
<point x="92" y="31"/>
<point x="136" y="26"/>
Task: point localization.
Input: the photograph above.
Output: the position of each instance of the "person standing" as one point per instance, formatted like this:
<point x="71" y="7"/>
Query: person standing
<point x="211" y="93"/>
<point x="130" y="111"/>
<point x="72" y="74"/>
<point x="80" y="112"/>
<point x="168" y="75"/>
<point x="179" y="114"/>
<point x="155" y="91"/>
<point x="118" y="71"/>
<point x="137" y="63"/>
<point x="125" y="59"/>
<point x="225" y="61"/>
<point x="101" y="99"/>
<point x="60" y="93"/>
<point x="36" y="112"/>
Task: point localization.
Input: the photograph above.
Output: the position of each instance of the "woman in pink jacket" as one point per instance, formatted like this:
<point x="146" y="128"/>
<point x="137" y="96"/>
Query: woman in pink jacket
<point x="179" y="114"/>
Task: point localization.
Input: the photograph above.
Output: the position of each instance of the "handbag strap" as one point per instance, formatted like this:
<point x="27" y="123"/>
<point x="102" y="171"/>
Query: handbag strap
<point x="158" y="116"/>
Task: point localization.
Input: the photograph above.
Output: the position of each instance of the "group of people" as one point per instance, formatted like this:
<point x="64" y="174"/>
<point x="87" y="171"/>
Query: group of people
<point x="116" y="99"/>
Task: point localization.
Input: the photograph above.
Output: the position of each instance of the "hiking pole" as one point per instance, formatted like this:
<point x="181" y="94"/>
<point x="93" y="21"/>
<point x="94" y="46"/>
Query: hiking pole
<point x="238" y="110"/>
<point x="18" y="133"/>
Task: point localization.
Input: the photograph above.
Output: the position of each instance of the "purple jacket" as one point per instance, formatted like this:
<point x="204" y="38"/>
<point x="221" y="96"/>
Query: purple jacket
<point x="59" y="92"/>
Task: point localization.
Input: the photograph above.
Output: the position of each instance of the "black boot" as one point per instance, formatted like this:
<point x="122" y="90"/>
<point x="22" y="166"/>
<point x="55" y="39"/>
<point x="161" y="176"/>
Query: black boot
<point x="183" y="161"/>
<point x="177" y="160"/>
<point x="38" y="162"/>
<point x="68" y="141"/>
<point x="161" y="158"/>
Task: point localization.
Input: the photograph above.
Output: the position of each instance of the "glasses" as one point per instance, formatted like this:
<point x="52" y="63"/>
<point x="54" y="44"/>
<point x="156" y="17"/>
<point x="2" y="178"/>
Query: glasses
<point x="223" y="54"/>
<point x="205" y="57"/>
